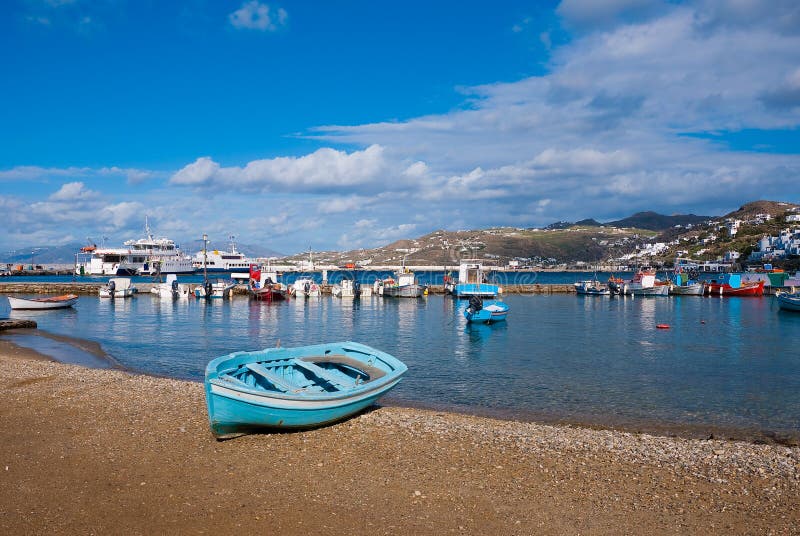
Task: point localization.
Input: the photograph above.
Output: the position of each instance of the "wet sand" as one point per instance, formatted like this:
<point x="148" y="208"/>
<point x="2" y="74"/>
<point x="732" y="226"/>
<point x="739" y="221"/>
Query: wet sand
<point x="106" y="451"/>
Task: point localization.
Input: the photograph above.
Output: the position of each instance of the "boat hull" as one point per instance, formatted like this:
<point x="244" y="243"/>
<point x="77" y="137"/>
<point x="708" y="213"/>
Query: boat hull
<point x="659" y="290"/>
<point x="299" y="392"/>
<point x="55" y="302"/>
<point x="233" y="412"/>
<point x="492" y="311"/>
<point x="695" y="289"/>
<point x="789" y="302"/>
<point x="754" y="289"/>
<point x="406" y="291"/>
<point x="482" y="290"/>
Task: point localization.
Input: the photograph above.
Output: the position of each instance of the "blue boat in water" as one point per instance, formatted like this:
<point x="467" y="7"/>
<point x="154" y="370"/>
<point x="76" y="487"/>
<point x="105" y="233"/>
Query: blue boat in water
<point x="485" y="312"/>
<point x="299" y="387"/>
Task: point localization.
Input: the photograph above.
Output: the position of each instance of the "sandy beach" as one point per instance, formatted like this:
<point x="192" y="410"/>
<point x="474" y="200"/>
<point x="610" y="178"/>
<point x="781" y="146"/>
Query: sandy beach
<point x="88" y="451"/>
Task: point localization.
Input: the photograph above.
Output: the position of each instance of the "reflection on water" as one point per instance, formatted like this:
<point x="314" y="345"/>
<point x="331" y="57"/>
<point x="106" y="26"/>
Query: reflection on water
<point x="724" y="361"/>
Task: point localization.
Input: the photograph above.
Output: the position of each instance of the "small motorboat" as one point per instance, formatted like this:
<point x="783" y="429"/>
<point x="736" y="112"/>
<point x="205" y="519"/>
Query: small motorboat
<point x="485" y="312"/>
<point x="117" y="287"/>
<point x="304" y="288"/>
<point x="592" y="288"/>
<point x="219" y="289"/>
<point x="171" y="289"/>
<point x="301" y="387"/>
<point x="50" y="302"/>
<point x="788" y="302"/>
<point x="263" y="284"/>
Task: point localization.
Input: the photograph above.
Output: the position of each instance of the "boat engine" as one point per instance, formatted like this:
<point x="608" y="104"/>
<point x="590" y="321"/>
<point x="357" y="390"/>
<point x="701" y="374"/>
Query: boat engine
<point x="209" y="289"/>
<point x="475" y="304"/>
<point x="111" y="286"/>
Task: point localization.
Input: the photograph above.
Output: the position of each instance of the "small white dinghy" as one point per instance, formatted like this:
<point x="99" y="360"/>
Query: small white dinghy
<point x="50" y="302"/>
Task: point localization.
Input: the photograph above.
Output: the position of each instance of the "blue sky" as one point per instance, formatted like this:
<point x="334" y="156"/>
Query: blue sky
<point x="337" y="125"/>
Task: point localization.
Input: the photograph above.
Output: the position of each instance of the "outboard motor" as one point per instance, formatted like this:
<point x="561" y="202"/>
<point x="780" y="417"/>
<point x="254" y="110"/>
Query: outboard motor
<point x="174" y="285"/>
<point x="111" y="286"/>
<point x="307" y="288"/>
<point x="475" y="304"/>
<point x="356" y="288"/>
<point x="209" y="289"/>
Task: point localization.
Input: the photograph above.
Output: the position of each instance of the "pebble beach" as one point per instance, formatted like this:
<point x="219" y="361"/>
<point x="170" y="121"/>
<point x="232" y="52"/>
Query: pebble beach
<point x="107" y="451"/>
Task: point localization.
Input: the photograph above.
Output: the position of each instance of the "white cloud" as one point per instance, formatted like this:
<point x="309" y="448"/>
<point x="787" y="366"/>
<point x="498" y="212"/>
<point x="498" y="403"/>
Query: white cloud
<point x="73" y="191"/>
<point x="321" y="171"/>
<point x="254" y="15"/>
<point x="37" y="173"/>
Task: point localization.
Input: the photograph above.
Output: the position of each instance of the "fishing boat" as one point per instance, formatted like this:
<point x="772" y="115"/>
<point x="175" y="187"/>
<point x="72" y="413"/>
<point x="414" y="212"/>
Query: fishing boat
<point x="485" y="312"/>
<point x="299" y="387"/>
<point x="171" y="289"/>
<point x="403" y="285"/>
<point x="732" y="285"/>
<point x="644" y="284"/>
<point x="304" y="288"/>
<point x="787" y="301"/>
<point x="263" y="284"/>
<point x="472" y="281"/>
<point x="592" y="288"/>
<point x="682" y="285"/>
<point x="50" y="302"/>
<point x="117" y="287"/>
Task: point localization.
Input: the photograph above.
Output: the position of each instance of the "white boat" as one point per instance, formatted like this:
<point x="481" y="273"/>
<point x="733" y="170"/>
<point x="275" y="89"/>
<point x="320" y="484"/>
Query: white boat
<point x="644" y="284"/>
<point x="50" y="302"/>
<point x="346" y="289"/>
<point x="145" y="256"/>
<point x="171" y="289"/>
<point x="403" y="285"/>
<point x="117" y="287"/>
<point x="219" y="289"/>
<point x="304" y="288"/>
<point x="223" y="261"/>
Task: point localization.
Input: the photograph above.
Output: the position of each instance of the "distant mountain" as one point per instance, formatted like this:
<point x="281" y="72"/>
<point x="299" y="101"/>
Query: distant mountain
<point x="41" y="254"/>
<point x="652" y="221"/>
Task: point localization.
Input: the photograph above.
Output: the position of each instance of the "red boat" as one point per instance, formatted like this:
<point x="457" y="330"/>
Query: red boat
<point x="732" y="285"/>
<point x="263" y="284"/>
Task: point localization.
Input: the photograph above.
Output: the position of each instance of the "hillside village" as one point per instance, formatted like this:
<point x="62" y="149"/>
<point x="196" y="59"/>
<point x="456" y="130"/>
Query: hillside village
<point x="756" y="233"/>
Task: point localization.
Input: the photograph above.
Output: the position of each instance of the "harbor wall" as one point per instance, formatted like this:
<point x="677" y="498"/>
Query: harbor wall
<point x="144" y="288"/>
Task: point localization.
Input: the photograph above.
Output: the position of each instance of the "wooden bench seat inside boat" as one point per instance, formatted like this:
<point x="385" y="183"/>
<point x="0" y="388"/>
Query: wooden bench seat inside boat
<point x="373" y="372"/>
<point x="273" y="378"/>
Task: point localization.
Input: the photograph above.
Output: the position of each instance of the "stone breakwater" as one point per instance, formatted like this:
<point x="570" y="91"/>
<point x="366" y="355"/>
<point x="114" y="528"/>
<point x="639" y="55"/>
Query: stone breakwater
<point x="94" y="288"/>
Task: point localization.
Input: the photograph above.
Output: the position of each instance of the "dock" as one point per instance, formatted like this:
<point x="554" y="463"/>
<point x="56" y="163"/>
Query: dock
<point x="241" y="289"/>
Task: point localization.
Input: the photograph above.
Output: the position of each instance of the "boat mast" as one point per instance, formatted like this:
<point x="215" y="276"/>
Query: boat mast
<point x="205" y="256"/>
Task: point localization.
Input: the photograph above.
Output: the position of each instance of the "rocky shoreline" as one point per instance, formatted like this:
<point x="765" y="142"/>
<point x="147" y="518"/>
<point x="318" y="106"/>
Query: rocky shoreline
<point x="107" y="451"/>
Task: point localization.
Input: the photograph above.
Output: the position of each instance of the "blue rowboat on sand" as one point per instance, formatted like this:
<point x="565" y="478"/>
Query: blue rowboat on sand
<point x="299" y="387"/>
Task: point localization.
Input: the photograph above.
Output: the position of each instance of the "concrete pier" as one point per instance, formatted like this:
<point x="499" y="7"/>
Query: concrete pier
<point x="241" y="289"/>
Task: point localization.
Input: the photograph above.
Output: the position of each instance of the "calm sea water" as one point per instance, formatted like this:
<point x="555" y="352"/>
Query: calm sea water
<point x="725" y="362"/>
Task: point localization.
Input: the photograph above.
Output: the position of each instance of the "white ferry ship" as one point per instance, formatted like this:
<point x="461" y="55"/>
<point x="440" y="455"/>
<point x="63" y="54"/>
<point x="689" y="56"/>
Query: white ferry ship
<point x="223" y="261"/>
<point x="145" y="256"/>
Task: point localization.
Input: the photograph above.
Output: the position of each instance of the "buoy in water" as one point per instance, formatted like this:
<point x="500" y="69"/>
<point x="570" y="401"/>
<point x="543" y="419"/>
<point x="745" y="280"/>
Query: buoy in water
<point x="662" y="326"/>
<point x="702" y="321"/>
